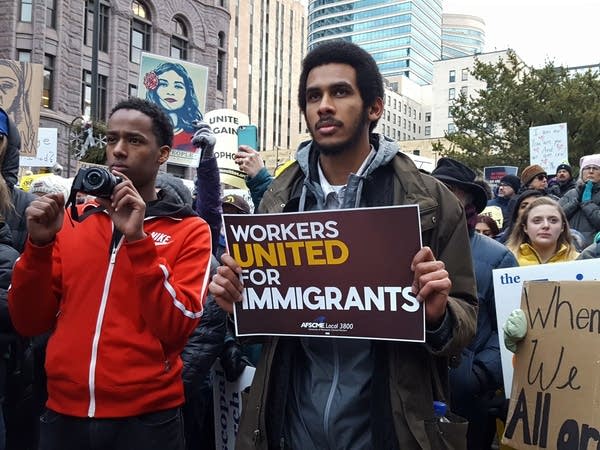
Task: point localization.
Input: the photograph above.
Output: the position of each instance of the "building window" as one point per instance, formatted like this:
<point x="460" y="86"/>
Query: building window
<point x="179" y="39"/>
<point x="51" y="14"/>
<point x="133" y="90"/>
<point x="451" y="128"/>
<point x="427" y="130"/>
<point x="452" y="76"/>
<point x="24" y="55"/>
<point x="465" y="75"/>
<point x="26" y="10"/>
<point x="86" y="95"/>
<point x="464" y="90"/>
<point x="449" y="111"/>
<point x="47" y="90"/>
<point x="428" y="117"/>
<point x="141" y="28"/>
<point x="88" y="37"/>
<point x="221" y="61"/>
<point x="451" y="93"/>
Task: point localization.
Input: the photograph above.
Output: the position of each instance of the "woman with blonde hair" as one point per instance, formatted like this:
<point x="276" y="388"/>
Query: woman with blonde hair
<point x="542" y="235"/>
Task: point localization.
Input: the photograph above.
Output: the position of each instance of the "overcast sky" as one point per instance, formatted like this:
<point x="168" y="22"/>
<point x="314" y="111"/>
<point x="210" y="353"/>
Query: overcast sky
<point x="565" y="31"/>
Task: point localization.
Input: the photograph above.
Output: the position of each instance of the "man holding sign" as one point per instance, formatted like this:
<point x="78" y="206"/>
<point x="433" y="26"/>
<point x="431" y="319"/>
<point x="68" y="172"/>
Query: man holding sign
<point x="315" y="392"/>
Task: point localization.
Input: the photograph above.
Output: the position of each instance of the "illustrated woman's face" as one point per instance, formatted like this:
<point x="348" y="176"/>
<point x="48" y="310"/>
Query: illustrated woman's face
<point x="544" y="225"/>
<point x="171" y="90"/>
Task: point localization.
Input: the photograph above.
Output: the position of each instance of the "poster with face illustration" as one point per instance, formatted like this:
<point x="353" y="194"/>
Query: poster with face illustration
<point x="179" y="88"/>
<point x="20" y="93"/>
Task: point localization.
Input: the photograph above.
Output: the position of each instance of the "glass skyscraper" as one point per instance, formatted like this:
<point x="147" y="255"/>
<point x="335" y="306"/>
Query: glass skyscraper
<point x="404" y="36"/>
<point x="462" y="35"/>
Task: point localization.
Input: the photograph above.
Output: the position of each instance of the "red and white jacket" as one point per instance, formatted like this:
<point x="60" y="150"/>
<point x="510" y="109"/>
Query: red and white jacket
<point x="120" y="312"/>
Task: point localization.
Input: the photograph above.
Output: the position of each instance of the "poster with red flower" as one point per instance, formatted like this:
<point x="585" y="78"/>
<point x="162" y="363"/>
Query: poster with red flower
<point x="179" y="89"/>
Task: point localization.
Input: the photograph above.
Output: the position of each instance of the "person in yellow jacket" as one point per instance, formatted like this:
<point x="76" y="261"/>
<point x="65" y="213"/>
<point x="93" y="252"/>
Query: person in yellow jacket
<point x="542" y="235"/>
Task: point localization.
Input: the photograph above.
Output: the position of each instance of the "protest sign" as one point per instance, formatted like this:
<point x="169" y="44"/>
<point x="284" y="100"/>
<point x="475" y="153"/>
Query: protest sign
<point x="548" y="146"/>
<point x="493" y="174"/>
<point x="179" y="88"/>
<point x="336" y="273"/>
<point x="508" y="284"/>
<point x="46" y="150"/>
<point x="225" y="123"/>
<point x="556" y="388"/>
<point x="227" y="404"/>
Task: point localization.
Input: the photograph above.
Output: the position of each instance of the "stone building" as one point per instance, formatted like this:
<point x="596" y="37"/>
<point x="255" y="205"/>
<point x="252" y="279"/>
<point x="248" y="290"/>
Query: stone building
<point x="59" y="35"/>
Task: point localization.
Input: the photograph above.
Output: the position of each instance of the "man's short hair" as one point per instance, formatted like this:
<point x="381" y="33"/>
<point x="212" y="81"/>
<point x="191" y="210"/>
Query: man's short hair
<point x="368" y="77"/>
<point x="161" y="124"/>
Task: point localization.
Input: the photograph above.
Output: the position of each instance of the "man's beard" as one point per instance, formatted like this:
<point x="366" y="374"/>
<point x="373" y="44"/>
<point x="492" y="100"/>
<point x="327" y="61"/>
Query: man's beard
<point x="336" y="149"/>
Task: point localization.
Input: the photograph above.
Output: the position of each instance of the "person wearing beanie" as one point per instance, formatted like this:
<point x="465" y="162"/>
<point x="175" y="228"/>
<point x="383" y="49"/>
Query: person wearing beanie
<point x="582" y="203"/>
<point x="507" y="189"/>
<point x="474" y="383"/>
<point x="563" y="182"/>
<point x="534" y="177"/>
<point x="50" y="184"/>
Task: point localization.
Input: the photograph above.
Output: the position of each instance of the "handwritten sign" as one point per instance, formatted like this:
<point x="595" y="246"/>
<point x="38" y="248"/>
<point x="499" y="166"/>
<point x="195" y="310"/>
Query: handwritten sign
<point x="556" y="389"/>
<point x="224" y="123"/>
<point x="508" y="284"/>
<point x="548" y="146"/>
<point x="328" y="273"/>
<point x="45" y="155"/>
<point x="227" y="402"/>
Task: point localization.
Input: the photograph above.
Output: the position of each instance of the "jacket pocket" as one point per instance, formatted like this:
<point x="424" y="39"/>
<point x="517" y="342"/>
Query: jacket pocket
<point x="450" y="435"/>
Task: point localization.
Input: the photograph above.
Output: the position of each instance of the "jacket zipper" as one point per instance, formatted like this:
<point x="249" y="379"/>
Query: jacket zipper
<point x="98" y="330"/>
<point x="332" y="389"/>
<point x="260" y="409"/>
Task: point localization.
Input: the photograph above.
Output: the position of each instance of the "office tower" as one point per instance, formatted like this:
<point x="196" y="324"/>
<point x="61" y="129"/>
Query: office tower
<point x="403" y="36"/>
<point x="462" y="35"/>
<point x="268" y="42"/>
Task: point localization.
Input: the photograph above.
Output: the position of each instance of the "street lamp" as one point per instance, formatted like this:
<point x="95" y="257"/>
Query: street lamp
<point x="75" y="140"/>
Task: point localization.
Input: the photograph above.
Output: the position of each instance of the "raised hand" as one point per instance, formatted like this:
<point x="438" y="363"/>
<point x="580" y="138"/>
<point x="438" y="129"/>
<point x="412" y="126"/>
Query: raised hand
<point x="44" y="217"/>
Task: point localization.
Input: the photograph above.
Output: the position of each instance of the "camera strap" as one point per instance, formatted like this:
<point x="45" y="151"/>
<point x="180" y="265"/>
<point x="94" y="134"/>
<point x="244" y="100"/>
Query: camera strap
<point x="72" y="203"/>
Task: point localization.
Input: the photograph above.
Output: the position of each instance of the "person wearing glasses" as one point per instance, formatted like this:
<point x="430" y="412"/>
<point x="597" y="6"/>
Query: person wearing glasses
<point x="582" y="203"/>
<point x="534" y="177"/>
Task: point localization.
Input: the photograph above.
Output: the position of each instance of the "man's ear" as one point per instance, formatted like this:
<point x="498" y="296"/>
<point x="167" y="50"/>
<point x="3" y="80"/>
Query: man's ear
<point x="164" y="153"/>
<point x="376" y="109"/>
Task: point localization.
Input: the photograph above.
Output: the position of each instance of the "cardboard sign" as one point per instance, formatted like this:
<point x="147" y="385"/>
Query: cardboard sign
<point x="508" y="284"/>
<point x="336" y="273"/>
<point x="548" y="146"/>
<point x="556" y="389"/>
<point x="20" y="93"/>
<point x="227" y="404"/>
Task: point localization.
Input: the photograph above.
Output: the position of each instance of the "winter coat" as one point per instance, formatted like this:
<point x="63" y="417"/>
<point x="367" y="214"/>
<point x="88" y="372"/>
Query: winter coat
<point x="560" y="188"/>
<point x="258" y="184"/>
<point x="401" y="390"/>
<point x="527" y="256"/>
<point x="474" y="382"/>
<point x="583" y="216"/>
<point x="121" y="312"/>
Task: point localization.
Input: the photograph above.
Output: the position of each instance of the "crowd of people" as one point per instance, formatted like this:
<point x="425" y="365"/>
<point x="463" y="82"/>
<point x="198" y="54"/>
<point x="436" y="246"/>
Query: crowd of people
<point x="112" y="318"/>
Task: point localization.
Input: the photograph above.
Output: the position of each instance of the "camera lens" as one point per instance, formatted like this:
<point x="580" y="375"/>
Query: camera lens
<point x="94" y="179"/>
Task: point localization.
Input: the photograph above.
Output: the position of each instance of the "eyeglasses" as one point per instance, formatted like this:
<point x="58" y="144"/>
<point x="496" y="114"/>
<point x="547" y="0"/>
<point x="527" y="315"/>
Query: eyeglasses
<point x="541" y="177"/>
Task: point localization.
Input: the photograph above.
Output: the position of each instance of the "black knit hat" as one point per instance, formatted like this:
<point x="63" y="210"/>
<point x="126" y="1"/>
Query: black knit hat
<point x="450" y="171"/>
<point x="513" y="181"/>
<point x="565" y="167"/>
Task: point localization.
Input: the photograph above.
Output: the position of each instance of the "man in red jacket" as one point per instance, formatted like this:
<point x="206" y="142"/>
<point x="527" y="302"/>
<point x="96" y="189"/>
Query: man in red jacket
<point x="121" y="290"/>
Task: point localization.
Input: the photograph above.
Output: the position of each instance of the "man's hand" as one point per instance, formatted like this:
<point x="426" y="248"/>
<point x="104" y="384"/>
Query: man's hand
<point x="126" y="208"/>
<point x="249" y="160"/>
<point x="431" y="285"/>
<point x="226" y="286"/>
<point x="204" y="139"/>
<point x="44" y="217"/>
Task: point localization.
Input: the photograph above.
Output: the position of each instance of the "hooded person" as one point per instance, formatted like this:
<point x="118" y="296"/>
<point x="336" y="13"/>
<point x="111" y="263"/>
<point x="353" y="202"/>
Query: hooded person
<point x="474" y="383"/>
<point x="582" y="203"/>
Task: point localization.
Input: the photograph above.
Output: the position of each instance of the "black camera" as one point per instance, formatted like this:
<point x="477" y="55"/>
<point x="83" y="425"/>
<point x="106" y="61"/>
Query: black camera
<point x="95" y="181"/>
